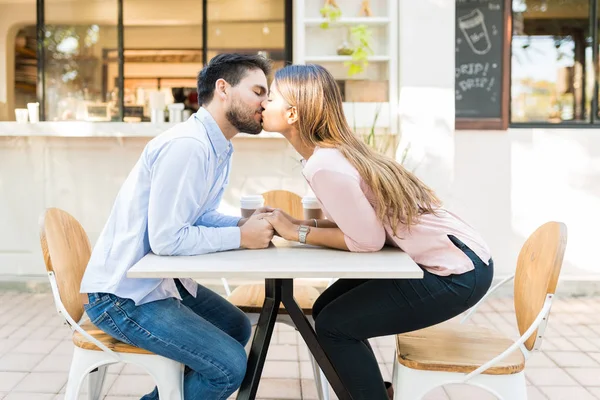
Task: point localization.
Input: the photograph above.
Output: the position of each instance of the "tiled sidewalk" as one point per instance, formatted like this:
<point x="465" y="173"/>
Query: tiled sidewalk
<point x="35" y="352"/>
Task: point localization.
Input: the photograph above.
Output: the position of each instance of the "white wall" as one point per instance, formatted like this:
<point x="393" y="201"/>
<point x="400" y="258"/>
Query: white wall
<point x="508" y="183"/>
<point x="426" y="77"/>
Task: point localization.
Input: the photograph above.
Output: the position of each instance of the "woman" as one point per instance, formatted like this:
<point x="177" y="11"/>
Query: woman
<point x="370" y="200"/>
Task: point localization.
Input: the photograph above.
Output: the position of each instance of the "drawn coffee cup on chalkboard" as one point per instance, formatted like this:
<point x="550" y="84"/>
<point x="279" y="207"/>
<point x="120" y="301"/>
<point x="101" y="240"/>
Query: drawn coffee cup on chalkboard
<point x="473" y="27"/>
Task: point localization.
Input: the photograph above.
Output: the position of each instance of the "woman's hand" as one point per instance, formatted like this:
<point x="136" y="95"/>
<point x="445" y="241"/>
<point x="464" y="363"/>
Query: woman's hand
<point x="286" y="215"/>
<point x="283" y="225"/>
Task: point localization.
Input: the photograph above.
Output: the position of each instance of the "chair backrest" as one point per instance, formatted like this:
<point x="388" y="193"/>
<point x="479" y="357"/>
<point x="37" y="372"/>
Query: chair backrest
<point x="66" y="249"/>
<point x="289" y="202"/>
<point x="538" y="267"/>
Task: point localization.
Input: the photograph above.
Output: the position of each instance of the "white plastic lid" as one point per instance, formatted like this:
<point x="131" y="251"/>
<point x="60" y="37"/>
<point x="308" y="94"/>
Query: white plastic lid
<point x="310" y="202"/>
<point x="252" y="201"/>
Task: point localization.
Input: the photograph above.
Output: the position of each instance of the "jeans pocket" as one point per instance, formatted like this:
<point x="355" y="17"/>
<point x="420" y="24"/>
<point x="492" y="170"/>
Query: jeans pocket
<point x="108" y="325"/>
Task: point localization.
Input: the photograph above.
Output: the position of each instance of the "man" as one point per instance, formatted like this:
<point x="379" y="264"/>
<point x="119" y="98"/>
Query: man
<point x="167" y="206"/>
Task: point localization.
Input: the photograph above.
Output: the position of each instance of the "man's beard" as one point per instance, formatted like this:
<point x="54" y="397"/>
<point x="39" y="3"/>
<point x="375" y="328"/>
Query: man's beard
<point x="242" y="118"/>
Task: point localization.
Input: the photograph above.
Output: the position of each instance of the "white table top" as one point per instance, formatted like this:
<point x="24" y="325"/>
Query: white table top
<point x="282" y="260"/>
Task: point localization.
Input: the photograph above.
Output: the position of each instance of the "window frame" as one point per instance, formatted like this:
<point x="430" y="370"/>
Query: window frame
<point x="41" y="51"/>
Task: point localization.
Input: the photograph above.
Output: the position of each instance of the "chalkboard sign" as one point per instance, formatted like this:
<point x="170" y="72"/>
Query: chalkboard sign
<point x="479" y="50"/>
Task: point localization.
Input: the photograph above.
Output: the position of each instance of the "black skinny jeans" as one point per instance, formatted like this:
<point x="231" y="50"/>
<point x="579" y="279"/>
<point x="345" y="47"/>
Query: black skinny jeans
<point x="353" y="310"/>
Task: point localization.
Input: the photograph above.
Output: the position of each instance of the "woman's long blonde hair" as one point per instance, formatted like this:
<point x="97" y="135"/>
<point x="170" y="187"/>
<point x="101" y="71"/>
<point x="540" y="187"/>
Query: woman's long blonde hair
<point x="400" y="196"/>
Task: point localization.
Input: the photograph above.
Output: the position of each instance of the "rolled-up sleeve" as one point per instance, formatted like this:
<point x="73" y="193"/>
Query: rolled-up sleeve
<point x="178" y="185"/>
<point x="342" y="197"/>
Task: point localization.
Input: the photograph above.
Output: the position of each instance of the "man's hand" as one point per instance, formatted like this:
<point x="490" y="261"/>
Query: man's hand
<point x="256" y="232"/>
<point x="261" y="210"/>
<point x="282" y="225"/>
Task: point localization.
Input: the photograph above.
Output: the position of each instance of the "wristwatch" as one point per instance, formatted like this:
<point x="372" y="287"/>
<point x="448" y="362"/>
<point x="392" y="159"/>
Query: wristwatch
<point x="303" y="231"/>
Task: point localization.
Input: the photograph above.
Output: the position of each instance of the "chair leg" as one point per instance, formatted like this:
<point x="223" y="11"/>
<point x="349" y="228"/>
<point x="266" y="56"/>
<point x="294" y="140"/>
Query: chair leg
<point x="167" y="374"/>
<point x="249" y="344"/>
<point x="82" y="363"/>
<point x="504" y="387"/>
<point x="95" y="382"/>
<point x="412" y="384"/>
<point x="320" y="380"/>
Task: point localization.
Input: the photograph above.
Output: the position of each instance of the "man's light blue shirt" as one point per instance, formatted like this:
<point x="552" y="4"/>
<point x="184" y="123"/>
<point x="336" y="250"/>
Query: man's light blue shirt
<point x="168" y="206"/>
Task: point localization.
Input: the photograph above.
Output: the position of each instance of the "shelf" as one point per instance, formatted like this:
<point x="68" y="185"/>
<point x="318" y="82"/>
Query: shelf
<point x="348" y="21"/>
<point x="343" y="58"/>
<point x="25" y="52"/>
<point x="26" y="87"/>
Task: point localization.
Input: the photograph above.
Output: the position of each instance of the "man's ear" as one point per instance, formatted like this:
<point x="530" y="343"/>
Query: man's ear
<point x="221" y="87"/>
<point x="292" y="115"/>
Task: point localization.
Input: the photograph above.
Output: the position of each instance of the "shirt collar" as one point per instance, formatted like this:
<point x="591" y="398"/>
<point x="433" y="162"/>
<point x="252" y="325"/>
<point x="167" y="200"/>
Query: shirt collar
<point x="220" y="145"/>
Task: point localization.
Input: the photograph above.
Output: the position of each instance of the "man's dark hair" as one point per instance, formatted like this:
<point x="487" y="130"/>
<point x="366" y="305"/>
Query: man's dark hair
<point x="231" y="67"/>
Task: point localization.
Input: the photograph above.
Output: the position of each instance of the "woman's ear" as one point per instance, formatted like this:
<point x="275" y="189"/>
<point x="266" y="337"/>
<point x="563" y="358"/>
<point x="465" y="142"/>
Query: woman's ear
<point x="292" y="115"/>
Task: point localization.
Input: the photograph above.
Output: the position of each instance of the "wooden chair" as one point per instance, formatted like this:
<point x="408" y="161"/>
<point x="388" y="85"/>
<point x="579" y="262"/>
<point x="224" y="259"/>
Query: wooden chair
<point x="456" y="353"/>
<point x="66" y="249"/>
<point x="250" y="297"/>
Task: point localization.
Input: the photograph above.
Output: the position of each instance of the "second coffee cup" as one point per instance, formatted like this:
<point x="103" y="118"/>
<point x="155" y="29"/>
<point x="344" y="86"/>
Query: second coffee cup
<point x="312" y="208"/>
<point x="250" y="203"/>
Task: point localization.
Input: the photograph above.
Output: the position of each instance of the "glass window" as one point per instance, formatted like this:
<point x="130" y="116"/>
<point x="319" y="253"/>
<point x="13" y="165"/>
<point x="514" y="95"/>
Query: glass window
<point x="552" y="77"/>
<point x="246" y="27"/>
<point x="76" y="36"/>
<point x="162" y="57"/>
<point x="25" y="67"/>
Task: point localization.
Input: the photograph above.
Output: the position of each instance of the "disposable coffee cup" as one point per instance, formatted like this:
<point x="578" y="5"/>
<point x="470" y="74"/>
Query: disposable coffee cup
<point x="34" y="112"/>
<point x="250" y="203"/>
<point x="312" y="208"/>
<point x="21" y="115"/>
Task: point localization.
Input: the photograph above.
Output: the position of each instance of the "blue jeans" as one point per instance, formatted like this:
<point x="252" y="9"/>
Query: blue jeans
<point x="207" y="334"/>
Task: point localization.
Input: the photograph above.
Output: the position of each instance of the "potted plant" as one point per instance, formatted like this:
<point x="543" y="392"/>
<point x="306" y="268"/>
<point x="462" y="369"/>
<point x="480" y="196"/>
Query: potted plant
<point x="331" y="12"/>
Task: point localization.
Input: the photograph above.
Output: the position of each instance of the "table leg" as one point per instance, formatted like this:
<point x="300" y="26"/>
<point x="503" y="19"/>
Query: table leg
<point x="261" y="340"/>
<point x="310" y="337"/>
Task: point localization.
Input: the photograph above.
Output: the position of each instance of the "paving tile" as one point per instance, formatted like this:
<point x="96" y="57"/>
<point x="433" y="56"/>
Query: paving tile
<point x="566" y="393"/>
<point x="549" y="377"/>
<point x="572" y="359"/>
<point x="282" y="352"/>
<point x="20" y="362"/>
<point x="287" y="338"/>
<point x="595" y="391"/>
<point x="584" y="344"/>
<point x="558" y="344"/>
<point x="533" y="393"/>
<point x="30" y="396"/>
<point x="36" y="346"/>
<point x="309" y="390"/>
<point x="8" y="380"/>
<point x="54" y="363"/>
<point x="306" y="371"/>
<point x="282" y="369"/>
<point x="585" y="376"/>
<point x="279" y="389"/>
<point x="540" y="359"/>
<point x="42" y="382"/>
